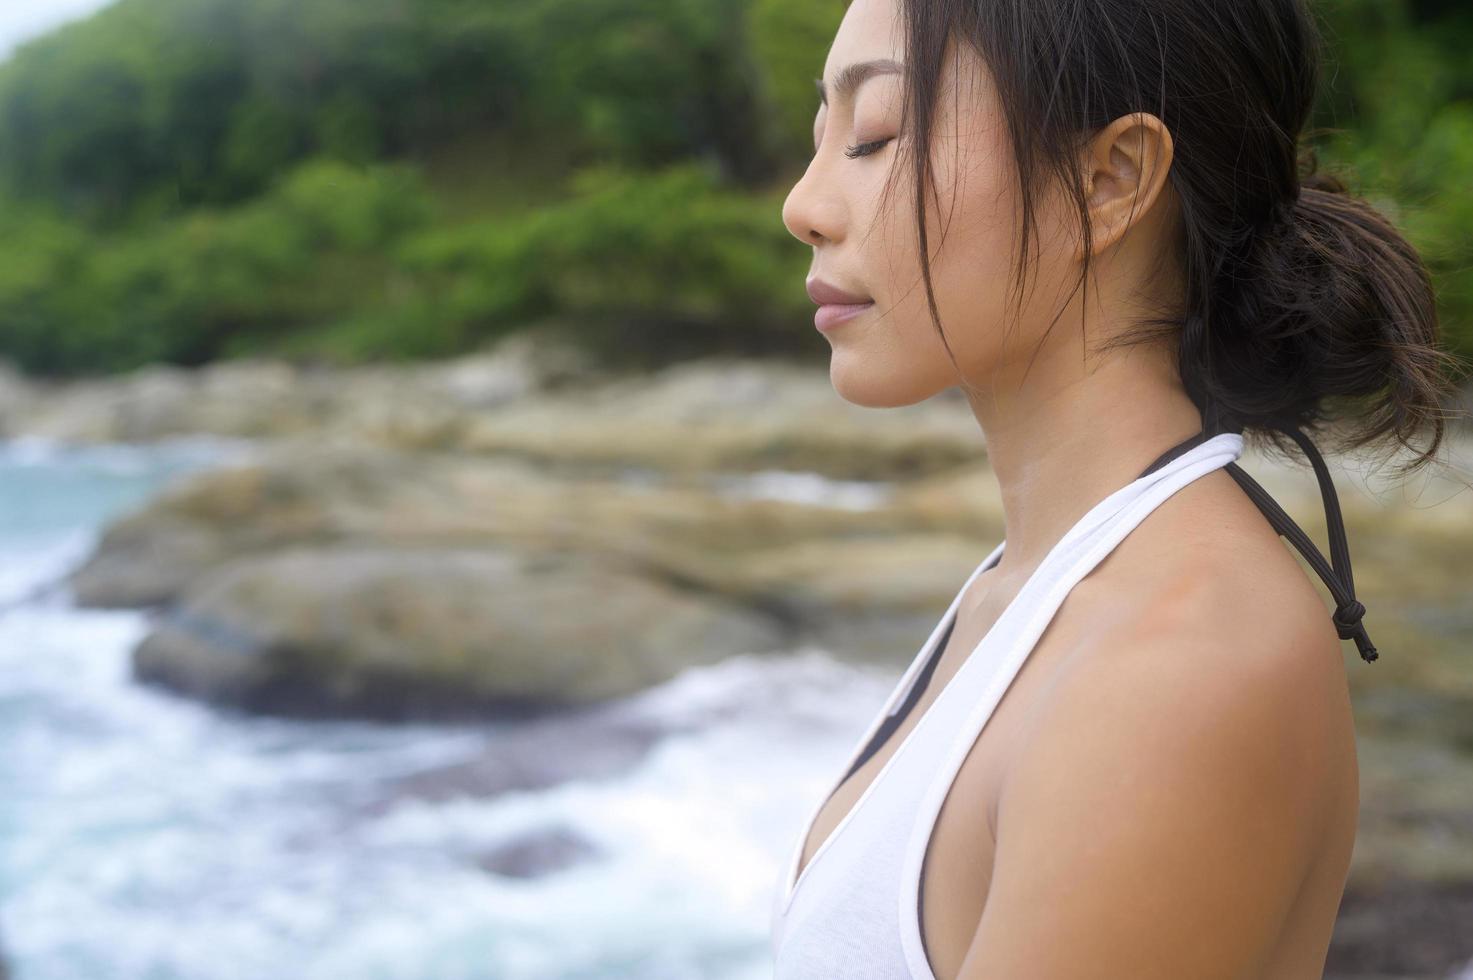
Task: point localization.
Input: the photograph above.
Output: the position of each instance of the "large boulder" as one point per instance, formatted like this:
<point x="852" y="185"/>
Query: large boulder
<point x="815" y="557"/>
<point x="396" y="633"/>
<point x="288" y="493"/>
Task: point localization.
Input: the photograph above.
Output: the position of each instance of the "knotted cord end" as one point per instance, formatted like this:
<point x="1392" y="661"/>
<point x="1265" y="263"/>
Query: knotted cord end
<point x="1348" y="624"/>
<point x="1347" y="618"/>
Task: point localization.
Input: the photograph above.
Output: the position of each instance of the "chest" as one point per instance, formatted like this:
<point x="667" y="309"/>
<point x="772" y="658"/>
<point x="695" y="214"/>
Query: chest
<point x="957" y="865"/>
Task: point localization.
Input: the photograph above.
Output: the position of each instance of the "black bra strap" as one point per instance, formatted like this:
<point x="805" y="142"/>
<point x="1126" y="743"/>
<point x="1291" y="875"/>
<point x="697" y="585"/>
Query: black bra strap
<point x="1186" y="445"/>
<point x="1336" y="573"/>
<point x="1348" y="611"/>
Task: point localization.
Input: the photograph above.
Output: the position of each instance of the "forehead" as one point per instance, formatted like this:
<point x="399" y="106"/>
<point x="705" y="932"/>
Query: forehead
<point x="871" y="29"/>
<point x="874" y="30"/>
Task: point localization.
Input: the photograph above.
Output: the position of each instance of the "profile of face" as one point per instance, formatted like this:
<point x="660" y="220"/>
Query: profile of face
<point x="866" y="242"/>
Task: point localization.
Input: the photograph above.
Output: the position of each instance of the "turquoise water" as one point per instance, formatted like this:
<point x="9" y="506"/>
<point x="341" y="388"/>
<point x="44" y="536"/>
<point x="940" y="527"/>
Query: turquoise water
<point x="143" y="835"/>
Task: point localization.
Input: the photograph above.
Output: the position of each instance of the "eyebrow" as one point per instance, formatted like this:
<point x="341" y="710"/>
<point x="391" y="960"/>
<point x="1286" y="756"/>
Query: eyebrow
<point x="850" y="77"/>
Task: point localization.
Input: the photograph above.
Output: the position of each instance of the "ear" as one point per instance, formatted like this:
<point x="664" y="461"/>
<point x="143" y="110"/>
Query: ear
<point x="1124" y="171"/>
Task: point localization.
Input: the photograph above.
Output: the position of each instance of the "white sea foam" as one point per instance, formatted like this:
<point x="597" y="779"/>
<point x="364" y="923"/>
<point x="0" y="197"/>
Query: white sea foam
<point x="146" y="835"/>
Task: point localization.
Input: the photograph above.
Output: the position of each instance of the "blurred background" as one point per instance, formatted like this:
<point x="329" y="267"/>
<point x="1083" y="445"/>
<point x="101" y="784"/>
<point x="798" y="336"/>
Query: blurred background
<point x="430" y="546"/>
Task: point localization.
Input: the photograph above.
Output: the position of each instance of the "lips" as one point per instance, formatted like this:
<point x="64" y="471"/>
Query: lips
<point x="832" y="314"/>
<point x="827" y="294"/>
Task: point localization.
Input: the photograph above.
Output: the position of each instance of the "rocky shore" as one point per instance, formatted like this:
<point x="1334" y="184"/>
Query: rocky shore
<point x="514" y="534"/>
<point x="415" y="542"/>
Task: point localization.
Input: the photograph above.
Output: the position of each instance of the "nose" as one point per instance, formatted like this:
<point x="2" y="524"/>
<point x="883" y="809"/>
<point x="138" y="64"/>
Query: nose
<point x="811" y="214"/>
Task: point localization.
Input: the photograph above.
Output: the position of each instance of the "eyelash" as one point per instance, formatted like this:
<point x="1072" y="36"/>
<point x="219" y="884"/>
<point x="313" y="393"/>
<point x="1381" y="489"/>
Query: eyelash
<point x="865" y="149"/>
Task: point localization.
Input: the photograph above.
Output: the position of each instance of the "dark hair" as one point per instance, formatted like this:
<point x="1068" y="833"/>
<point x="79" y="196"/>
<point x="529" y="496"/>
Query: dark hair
<point x="1302" y="302"/>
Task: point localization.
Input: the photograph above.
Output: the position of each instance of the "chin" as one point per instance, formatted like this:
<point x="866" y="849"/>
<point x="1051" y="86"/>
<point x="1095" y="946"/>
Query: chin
<point x="876" y="385"/>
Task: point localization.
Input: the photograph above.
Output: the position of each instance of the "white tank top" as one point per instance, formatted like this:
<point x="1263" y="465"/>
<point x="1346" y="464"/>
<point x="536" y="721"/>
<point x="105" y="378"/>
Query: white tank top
<point x="854" y="912"/>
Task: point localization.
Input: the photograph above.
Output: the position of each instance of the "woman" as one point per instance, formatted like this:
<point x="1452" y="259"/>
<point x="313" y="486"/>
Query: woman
<point x="1127" y="749"/>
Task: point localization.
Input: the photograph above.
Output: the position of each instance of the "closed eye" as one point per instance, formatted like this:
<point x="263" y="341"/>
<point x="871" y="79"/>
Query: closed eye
<point x="865" y="149"/>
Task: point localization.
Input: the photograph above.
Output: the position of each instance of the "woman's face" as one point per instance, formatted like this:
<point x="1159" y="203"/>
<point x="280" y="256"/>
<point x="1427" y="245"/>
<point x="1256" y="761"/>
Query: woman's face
<point x="891" y="354"/>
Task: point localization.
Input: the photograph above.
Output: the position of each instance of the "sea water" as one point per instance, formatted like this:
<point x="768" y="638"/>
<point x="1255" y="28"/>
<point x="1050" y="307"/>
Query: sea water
<point x="150" y="837"/>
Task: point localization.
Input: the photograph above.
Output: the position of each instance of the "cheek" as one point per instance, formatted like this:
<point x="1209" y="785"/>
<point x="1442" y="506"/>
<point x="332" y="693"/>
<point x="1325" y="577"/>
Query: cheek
<point x="978" y="207"/>
<point x="899" y="358"/>
<point x="971" y="220"/>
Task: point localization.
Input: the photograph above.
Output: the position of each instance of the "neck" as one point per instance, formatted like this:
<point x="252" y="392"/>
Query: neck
<point x="1074" y="433"/>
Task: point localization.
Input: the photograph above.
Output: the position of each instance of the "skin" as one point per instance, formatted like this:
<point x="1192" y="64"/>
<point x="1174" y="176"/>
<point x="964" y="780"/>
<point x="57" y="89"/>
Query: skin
<point x="1169" y="786"/>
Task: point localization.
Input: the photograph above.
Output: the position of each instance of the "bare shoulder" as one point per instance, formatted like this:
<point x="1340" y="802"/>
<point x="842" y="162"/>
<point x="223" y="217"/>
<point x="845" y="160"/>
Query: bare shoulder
<point x="1173" y="784"/>
<point x="1216" y="639"/>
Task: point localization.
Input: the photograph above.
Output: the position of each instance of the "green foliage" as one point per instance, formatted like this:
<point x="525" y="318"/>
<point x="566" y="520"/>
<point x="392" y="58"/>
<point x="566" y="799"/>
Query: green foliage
<point x="346" y="264"/>
<point x="210" y="99"/>
<point x="184" y="290"/>
<point x="637" y="262"/>
<point x="262" y="137"/>
<point x="343" y="207"/>
<point x="1398" y="109"/>
<point x="350" y="179"/>
<point x="668" y="257"/>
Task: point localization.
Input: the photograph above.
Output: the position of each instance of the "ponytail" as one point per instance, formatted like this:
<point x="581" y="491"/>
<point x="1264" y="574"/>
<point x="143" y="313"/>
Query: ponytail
<point x="1329" y="314"/>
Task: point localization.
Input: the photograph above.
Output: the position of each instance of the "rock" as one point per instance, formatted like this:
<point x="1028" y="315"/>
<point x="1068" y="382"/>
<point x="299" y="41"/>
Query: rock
<point x="415" y="405"/>
<point x="870" y="599"/>
<point x="806" y="560"/>
<point x="859" y="583"/>
<point x="722" y="414"/>
<point x="393" y="633"/>
<point x="1402" y="928"/>
<point x="17" y="392"/>
<point x="1416" y="813"/>
<point x="291" y="493"/>
<point x="538" y="854"/>
<point x="233" y="398"/>
<point x="578" y="744"/>
<point x="533" y="397"/>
